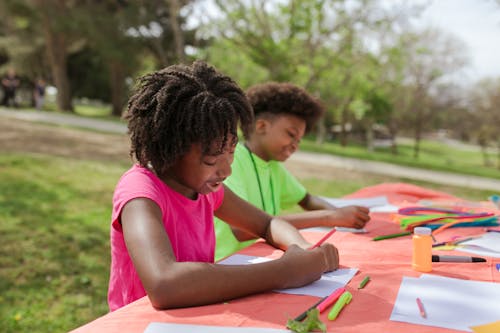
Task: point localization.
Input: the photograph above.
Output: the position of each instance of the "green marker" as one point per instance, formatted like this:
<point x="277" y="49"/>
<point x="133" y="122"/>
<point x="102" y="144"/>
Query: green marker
<point x="364" y="282"/>
<point x="392" y="236"/>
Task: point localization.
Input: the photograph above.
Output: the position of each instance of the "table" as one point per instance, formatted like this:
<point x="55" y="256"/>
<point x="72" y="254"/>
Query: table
<point x="385" y="261"/>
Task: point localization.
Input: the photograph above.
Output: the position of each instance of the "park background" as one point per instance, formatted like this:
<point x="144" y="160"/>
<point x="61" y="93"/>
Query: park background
<point x="395" y="91"/>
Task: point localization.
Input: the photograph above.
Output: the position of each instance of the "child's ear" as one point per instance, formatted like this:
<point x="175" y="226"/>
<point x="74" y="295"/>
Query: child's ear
<point x="261" y="126"/>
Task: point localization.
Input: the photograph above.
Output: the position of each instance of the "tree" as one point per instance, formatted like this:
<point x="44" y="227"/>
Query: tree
<point x="416" y="67"/>
<point x="485" y="109"/>
<point x="317" y="44"/>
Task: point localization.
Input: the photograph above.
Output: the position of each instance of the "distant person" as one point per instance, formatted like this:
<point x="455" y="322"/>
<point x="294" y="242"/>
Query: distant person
<point x="183" y="123"/>
<point x="10" y="83"/>
<point x="39" y="93"/>
<point x="283" y="114"/>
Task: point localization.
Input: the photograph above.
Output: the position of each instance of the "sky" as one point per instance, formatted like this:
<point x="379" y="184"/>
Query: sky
<point x="477" y="24"/>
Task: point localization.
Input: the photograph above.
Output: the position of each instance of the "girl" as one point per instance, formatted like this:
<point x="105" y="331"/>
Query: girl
<point x="182" y="123"/>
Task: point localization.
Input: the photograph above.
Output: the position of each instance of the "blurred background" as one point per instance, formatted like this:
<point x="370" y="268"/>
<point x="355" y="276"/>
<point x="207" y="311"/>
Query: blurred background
<point x="408" y="82"/>
<point x="383" y="68"/>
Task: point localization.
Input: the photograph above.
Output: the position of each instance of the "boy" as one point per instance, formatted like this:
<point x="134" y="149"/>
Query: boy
<point x="284" y="113"/>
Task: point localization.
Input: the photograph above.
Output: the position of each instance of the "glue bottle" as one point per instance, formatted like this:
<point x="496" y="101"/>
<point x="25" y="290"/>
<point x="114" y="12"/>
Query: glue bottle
<point x="422" y="249"/>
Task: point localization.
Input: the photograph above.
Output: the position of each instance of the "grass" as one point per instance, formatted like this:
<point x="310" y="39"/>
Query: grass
<point x="54" y="254"/>
<point x="433" y="155"/>
<point x="54" y="222"/>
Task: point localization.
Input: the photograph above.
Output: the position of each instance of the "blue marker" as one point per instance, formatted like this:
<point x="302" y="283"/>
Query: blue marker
<point x="495" y="198"/>
<point x="498" y="267"/>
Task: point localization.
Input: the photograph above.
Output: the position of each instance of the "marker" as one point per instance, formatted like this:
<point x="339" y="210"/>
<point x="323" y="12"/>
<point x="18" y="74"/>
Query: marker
<point x="364" y="282"/>
<point x="392" y="236"/>
<point x="325" y="237"/>
<point x="421" y="308"/>
<point x="330" y="299"/>
<point x="436" y="258"/>
<point x="344" y="299"/>
<point x="498" y="267"/>
<point x="303" y="315"/>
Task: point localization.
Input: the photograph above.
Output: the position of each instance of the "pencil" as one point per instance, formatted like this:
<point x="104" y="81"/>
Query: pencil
<point x="322" y="240"/>
<point x="406" y="233"/>
<point x="303" y="315"/>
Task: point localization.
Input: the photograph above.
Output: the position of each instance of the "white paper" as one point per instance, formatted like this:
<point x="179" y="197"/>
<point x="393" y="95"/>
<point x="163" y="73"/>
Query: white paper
<point x="375" y="204"/>
<point x="486" y="245"/>
<point x="183" y="328"/>
<point x="449" y="303"/>
<point x="321" y="288"/>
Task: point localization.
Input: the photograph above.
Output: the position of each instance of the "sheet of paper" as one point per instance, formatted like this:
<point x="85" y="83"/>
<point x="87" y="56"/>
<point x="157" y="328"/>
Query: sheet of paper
<point x="449" y="303"/>
<point x="487" y="245"/>
<point x="183" y="328"/>
<point x="376" y="204"/>
<point x="321" y="288"/>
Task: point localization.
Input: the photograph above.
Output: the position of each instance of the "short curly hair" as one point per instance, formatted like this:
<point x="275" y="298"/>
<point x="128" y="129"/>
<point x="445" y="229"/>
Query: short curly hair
<point x="275" y="98"/>
<point x="182" y="105"/>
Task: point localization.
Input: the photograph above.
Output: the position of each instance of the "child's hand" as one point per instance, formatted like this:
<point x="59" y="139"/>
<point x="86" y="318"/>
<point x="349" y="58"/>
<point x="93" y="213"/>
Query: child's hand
<point x="350" y="217"/>
<point x="306" y="266"/>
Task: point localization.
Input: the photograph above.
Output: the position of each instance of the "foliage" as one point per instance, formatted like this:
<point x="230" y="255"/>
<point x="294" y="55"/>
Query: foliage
<point x="312" y="323"/>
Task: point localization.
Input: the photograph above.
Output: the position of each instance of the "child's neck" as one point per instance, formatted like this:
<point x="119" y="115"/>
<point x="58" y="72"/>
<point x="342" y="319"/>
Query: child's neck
<point x="256" y="149"/>
<point x="175" y="185"/>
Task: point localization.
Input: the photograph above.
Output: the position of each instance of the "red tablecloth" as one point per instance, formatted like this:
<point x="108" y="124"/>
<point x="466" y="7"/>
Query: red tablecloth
<point x="385" y="261"/>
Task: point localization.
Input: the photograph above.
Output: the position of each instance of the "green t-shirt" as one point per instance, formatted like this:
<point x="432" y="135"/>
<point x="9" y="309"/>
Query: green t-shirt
<point x="279" y="188"/>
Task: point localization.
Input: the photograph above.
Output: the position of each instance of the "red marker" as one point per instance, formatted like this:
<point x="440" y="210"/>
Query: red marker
<point x="322" y="240"/>
<point x="330" y="299"/>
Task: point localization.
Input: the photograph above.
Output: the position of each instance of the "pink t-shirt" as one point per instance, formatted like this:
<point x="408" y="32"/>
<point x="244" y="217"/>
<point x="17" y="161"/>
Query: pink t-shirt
<point x="188" y="223"/>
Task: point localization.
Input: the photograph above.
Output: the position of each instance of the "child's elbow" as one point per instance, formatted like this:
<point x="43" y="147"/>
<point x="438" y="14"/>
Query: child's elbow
<point x="164" y="294"/>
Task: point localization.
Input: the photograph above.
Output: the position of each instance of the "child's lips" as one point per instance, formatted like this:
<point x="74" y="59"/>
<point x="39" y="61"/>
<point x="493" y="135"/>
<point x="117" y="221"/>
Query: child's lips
<point x="214" y="185"/>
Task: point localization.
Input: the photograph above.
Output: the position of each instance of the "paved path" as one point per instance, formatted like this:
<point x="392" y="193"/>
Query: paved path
<point x="313" y="158"/>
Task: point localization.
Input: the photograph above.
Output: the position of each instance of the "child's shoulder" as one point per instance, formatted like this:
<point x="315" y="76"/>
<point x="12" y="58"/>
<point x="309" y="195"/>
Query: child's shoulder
<point x="137" y="174"/>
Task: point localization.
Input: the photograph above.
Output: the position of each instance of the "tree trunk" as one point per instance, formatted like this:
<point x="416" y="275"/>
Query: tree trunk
<point x="484" y="152"/>
<point x="173" y="11"/>
<point x="57" y="54"/>
<point x="117" y="84"/>
<point x="320" y="135"/>
<point x="369" y="135"/>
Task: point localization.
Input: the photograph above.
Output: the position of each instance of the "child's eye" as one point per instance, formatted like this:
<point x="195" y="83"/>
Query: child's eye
<point x="209" y="162"/>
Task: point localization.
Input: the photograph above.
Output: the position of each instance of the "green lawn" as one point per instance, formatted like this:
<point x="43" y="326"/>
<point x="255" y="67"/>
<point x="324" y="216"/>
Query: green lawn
<point x="54" y="222"/>
<point x="54" y="254"/>
<point x="433" y="155"/>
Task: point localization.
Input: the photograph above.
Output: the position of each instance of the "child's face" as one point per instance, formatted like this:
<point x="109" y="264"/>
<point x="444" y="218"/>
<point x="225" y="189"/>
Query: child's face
<point x="280" y="136"/>
<point x="197" y="173"/>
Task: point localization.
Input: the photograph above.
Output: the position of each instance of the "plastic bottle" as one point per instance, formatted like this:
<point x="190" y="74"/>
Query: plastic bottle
<point x="422" y="249"/>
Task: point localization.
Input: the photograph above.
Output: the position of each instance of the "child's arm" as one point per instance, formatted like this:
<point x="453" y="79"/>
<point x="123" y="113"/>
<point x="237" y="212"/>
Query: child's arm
<point x="255" y="223"/>
<point x="313" y="202"/>
<point x="319" y="216"/>
<point x="172" y="284"/>
<point x="321" y="213"/>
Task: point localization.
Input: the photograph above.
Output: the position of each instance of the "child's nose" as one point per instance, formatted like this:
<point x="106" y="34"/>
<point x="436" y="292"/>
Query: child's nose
<point x="224" y="169"/>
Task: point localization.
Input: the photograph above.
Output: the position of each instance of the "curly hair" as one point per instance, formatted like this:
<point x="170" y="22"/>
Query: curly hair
<point x="274" y="98"/>
<point x="182" y="105"/>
